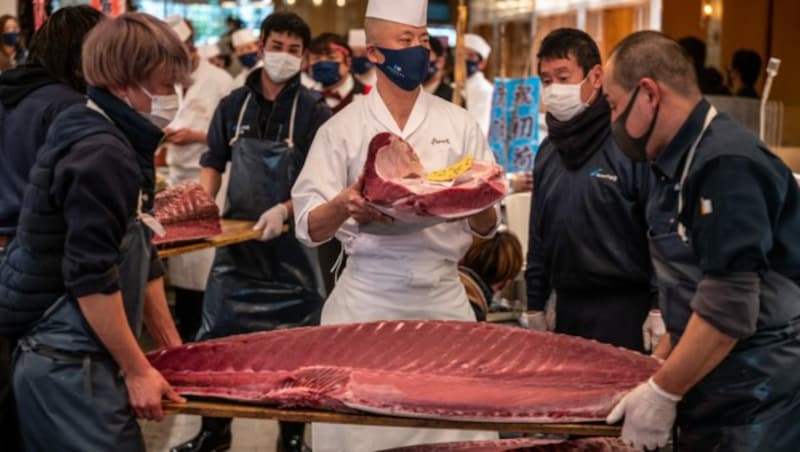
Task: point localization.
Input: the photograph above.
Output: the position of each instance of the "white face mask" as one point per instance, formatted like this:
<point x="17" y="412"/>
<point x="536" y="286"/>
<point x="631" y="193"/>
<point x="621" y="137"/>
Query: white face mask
<point x="564" y="101"/>
<point x="281" y="66"/>
<point x="164" y="107"/>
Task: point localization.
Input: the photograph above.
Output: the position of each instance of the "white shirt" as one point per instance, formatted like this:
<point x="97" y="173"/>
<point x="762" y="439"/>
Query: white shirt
<point x="241" y="78"/>
<point x="210" y="85"/>
<point x="369" y="78"/>
<point x="343" y="91"/>
<point x="440" y="133"/>
<point x="478" y="94"/>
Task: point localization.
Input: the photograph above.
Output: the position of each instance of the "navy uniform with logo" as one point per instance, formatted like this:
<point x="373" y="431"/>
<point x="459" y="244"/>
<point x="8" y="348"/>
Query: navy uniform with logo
<point x="79" y="235"/>
<point x="588" y="240"/>
<point x="722" y="209"/>
<point x="261" y="286"/>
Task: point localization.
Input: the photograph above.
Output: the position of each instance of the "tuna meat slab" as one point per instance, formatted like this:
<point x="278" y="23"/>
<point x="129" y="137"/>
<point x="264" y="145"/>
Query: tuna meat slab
<point x="186" y="212"/>
<point x="525" y="445"/>
<point x="397" y="184"/>
<point x="428" y="369"/>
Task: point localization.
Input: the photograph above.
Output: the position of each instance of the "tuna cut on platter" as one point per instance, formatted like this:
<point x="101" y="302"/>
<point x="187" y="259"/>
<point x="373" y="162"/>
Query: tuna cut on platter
<point x="395" y="182"/>
<point x="524" y="445"/>
<point x="186" y="213"/>
<point x="464" y="371"/>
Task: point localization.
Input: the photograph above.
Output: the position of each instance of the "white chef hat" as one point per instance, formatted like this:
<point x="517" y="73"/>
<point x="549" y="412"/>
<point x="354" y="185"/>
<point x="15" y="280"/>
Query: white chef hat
<point x="209" y="51"/>
<point x="243" y="36"/>
<point x="180" y="27"/>
<point x="357" y="38"/>
<point x="478" y="44"/>
<point x="406" y="12"/>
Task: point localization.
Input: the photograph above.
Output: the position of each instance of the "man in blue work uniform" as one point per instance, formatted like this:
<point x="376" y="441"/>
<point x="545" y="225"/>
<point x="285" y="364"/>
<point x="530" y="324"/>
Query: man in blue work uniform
<point x="588" y="238"/>
<point x="264" y="129"/>
<point x="31" y="96"/>
<point x="724" y="215"/>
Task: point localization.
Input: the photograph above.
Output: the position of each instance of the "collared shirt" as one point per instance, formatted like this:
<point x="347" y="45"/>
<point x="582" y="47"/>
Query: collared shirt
<point x="478" y="94"/>
<point x="440" y="133"/>
<point x="342" y="91"/>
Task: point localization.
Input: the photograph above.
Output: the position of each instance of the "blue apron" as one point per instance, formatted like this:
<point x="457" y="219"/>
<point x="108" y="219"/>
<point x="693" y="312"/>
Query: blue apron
<point x="751" y="400"/>
<point x="69" y="391"/>
<point x="260" y="286"/>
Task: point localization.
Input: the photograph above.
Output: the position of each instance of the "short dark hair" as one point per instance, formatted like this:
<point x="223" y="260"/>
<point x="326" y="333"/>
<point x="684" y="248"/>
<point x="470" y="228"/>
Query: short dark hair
<point x="321" y="44"/>
<point x="562" y="43"/>
<point x="655" y="55"/>
<point x="286" y="22"/>
<point x="748" y="64"/>
<point x="696" y="49"/>
<point x="57" y="44"/>
<point x="437" y="47"/>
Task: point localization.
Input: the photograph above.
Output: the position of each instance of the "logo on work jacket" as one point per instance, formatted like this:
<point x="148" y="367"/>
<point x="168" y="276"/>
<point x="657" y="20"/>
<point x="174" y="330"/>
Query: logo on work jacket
<point x="600" y="173"/>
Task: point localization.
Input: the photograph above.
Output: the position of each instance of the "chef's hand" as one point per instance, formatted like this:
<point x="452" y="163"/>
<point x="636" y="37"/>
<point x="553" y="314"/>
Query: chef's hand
<point x="271" y="222"/>
<point x="183" y="136"/>
<point x="522" y="182"/>
<point x="145" y="391"/>
<point x="653" y="329"/>
<point x="533" y="320"/>
<point x="649" y="413"/>
<point x="358" y="208"/>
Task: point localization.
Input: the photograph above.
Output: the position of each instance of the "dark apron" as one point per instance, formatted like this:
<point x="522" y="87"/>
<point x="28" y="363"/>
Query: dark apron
<point x="751" y="400"/>
<point x="9" y="430"/>
<point x="260" y="286"/>
<point x="68" y="389"/>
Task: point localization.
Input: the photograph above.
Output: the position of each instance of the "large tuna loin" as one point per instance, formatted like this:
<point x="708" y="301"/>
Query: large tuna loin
<point x="435" y="369"/>
<point x="525" y="445"/>
<point x="187" y="213"/>
<point x="395" y="182"/>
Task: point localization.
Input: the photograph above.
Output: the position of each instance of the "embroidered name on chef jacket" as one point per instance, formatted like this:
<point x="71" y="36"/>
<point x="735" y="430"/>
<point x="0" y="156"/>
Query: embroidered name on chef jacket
<point x="601" y="173"/>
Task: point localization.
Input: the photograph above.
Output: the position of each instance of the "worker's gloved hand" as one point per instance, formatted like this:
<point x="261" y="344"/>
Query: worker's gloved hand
<point x="649" y="413"/>
<point x="534" y="320"/>
<point x="653" y="329"/>
<point x="271" y="222"/>
<point x="145" y="390"/>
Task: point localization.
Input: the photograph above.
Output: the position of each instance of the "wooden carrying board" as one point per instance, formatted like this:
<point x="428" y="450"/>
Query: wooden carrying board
<point x="233" y="231"/>
<point x="234" y="410"/>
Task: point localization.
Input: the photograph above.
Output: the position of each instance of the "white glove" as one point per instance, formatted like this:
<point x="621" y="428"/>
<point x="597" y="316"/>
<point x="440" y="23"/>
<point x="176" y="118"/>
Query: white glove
<point x="649" y="413"/>
<point x="271" y="222"/>
<point x="652" y="329"/>
<point x="533" y="320"/>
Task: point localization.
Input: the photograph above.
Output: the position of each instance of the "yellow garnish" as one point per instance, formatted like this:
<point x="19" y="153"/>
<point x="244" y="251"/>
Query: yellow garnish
<point x="452" y="171"/>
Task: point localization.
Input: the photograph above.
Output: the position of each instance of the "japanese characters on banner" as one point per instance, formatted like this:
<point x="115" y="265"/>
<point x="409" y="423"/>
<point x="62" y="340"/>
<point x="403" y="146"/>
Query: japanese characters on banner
<point x="514" y="133"/>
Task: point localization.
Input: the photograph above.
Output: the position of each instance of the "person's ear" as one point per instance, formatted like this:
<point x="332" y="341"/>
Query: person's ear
<point x="374" y="55"/>
<point x="650" y="90"/>
<point x="596" y="77"/>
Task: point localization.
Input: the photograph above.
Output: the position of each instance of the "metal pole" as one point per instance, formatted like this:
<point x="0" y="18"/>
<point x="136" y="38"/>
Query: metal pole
<point x="460" y="70"/>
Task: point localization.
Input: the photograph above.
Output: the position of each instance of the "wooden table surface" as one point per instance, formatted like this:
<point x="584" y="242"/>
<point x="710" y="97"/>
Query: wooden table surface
<point x="233" y="231"/>
<point x="234" y="410"/>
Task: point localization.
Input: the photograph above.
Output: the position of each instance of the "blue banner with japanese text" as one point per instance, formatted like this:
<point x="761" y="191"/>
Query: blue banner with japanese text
<point x="514" y="133"/>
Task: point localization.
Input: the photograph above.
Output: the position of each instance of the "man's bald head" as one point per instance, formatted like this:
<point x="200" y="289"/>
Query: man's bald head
<point x="653" y="55"/>
<point x="379" y="31"/>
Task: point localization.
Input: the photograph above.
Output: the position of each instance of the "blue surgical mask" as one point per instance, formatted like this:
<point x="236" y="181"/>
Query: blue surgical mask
<point x="432" y="70"/>
<point x="11" y="38"/>
<point x="472" y="67"/>
<point x="406" y="68"/>
<point x="361" y="65"/>
<point x="249" y="59"/>
<point x="326" y="72"/>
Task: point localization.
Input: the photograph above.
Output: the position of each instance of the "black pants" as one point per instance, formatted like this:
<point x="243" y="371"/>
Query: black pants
<point x="9" y="429"/>
<point x="288" y="430"/>
<point x="188" y="312"/>
<point x="612" y="317"/>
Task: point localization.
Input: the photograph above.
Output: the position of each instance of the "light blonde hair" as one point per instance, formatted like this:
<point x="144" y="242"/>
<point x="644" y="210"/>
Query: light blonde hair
<point x="132" y="48"/>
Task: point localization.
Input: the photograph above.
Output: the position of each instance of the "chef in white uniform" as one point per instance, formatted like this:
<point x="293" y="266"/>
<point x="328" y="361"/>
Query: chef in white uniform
<point x="363" y="69"/>
<point x="477" y="90"/>
<point x="212" y="54"/>
<point x="413" y="275"/>
<point x="185" y="139"/>
<point x="247" y="49"/>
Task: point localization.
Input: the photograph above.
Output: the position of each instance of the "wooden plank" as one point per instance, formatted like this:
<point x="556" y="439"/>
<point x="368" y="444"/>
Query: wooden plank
<point x="234" y="410"/>
<point x="233" y="231"/>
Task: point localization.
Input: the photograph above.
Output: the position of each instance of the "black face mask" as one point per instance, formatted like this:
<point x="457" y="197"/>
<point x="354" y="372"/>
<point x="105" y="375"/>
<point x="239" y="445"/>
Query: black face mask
<point x="635" y="148"/>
